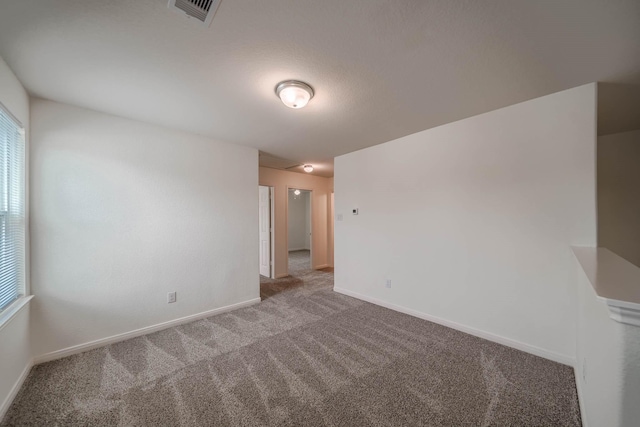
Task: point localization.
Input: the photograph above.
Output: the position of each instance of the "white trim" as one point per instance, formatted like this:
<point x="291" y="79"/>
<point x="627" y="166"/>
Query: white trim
<point x="10" y="114"/>
<point x="59" y="354"/>
<point x="583" y="410"/>
<point x="15" y="389"/>
<point x="12" y="310"/>
<point x="518" y="345"/>
<point x="618" y="311"/>
<point x="272" y="231"/>
<point x="318" y="267"/>
<point x="299" y="249"/>
<point x="614" y="280"/>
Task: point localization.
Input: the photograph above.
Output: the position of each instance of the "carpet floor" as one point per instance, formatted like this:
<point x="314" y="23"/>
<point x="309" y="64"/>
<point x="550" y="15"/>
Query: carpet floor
<point x="299" y="273"/>
<point x="304" y="356"/>
<point x="299" y="262"/>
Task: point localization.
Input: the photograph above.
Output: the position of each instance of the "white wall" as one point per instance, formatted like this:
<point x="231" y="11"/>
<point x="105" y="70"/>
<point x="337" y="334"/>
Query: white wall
<point x="299" y="221"/>
<point x="124" y="212"/>
<point x="320" y="203"/>
<point x="473" y="221"/>
<point x="15" y="350"/>
<point x="619" y="194"/>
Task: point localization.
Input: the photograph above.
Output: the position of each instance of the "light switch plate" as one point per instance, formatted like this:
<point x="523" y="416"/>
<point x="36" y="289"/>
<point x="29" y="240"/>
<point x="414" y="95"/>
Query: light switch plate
<point x="171" y="297"/>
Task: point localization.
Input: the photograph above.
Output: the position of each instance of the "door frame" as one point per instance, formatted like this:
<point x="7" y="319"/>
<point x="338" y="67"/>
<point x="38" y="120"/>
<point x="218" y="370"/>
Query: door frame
<point x="272" y="252"/>
<point x="272" y="228"/>
<point x="332" y="229"/>
<point x="286" y="229"/>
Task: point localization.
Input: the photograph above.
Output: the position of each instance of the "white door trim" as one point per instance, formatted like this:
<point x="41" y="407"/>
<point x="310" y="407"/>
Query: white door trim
<point x="265" y="226"/>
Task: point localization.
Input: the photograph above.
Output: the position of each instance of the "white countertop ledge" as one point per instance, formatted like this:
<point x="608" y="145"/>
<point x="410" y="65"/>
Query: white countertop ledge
<point x="615" y="280"/>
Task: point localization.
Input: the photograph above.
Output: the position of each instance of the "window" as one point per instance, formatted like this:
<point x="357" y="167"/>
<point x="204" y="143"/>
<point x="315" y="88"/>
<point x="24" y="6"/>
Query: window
<point x="12" y="209"/>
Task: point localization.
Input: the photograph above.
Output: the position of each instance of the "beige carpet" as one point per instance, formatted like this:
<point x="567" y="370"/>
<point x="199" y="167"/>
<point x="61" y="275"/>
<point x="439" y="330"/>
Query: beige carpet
<point x="304" y="356"/>
<point x="299" y="273"/>
<point x="299" y="262"/>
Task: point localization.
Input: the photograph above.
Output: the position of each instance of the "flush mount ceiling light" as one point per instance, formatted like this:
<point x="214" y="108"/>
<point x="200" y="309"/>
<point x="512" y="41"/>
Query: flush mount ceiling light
<point x="308" y="168"/>
<point x="296" y="192"/>
<point x="293" y="93"/>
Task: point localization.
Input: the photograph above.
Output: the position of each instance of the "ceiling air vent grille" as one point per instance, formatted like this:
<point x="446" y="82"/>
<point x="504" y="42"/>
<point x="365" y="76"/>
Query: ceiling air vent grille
<point x="202" y="10"/>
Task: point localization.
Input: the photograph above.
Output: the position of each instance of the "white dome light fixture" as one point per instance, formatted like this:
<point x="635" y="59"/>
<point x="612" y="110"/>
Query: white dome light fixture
<point x="308" y="168"/>
<point x="296" y="192"/>
<point x="293" y="93"/>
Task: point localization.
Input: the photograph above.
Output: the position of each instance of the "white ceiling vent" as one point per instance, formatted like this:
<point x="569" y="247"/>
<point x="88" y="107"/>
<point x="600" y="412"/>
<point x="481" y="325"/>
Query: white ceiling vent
<point x="202" y="10"/>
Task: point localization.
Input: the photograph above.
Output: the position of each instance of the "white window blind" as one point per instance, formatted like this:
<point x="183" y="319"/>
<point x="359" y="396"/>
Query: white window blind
<point x="12" y="208"/>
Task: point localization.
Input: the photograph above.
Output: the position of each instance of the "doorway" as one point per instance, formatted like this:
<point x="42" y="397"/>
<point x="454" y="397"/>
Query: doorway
<point x="265" y="220"/>
<point x="299" y="236"/>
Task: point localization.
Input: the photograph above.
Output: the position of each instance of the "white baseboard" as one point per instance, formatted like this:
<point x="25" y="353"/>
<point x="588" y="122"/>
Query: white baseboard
<point x="59" y="354"/>
<point x="14" y="390"/>
<point x="537" y="351"/>
<point x="583" y="410"/>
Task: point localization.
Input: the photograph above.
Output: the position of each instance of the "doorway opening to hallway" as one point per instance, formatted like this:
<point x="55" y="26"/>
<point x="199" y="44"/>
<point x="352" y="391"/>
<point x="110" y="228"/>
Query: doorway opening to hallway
<point x="299" y="235"/>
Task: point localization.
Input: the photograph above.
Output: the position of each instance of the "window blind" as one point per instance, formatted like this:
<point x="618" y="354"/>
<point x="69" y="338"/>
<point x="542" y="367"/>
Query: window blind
<point x="12" y="208"/>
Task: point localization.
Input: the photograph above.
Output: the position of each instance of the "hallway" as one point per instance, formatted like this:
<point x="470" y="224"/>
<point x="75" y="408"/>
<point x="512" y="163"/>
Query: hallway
<point x="300" y="273"/>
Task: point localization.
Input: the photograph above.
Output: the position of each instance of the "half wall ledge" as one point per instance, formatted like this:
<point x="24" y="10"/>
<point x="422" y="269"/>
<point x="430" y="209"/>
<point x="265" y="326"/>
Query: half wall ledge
<point x="615" y="280"/>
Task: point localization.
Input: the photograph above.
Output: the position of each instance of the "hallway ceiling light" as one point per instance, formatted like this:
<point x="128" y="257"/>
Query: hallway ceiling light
<point x="296" y="192"/>
<point x="308" y="168"/>
<point x="293" y="93"/>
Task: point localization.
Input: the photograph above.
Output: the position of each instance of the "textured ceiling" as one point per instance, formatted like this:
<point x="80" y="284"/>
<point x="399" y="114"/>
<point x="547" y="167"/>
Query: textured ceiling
<point x="381" y="69"/>
<point x="267" y="160"/>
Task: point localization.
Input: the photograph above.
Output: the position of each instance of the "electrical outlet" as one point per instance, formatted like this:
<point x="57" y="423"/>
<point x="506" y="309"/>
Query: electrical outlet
<point x="388" y="283"/>
<point x="171" y="297"/>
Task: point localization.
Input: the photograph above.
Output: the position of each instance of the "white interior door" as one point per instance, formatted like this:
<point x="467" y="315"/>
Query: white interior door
<point x="265" y="231"/>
